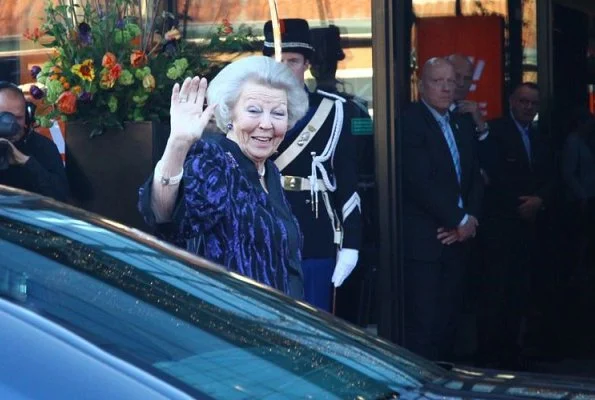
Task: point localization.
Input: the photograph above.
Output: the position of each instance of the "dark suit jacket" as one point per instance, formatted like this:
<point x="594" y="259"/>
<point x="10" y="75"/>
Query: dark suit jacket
<point x="510" y="172"/>
<point x="430" y="187"/>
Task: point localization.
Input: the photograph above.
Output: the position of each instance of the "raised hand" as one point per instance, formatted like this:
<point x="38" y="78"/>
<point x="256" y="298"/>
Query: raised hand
<point x="188" y="120"/>
<point x="471" y="107"/>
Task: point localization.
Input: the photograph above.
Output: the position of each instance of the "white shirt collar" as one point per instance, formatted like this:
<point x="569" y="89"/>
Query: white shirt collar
<point x="439" y="117"/>
<point x="521" y="128"/>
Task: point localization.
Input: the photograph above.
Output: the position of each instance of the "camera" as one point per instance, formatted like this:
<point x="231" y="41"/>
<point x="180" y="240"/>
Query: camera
<point x="9" y="127"/>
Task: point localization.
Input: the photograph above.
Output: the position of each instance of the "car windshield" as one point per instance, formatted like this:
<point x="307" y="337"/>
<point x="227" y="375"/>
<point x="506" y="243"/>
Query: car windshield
<point x="207" y="331"/>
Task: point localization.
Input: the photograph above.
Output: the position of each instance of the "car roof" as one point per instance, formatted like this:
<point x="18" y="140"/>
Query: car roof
<point x="41" y="358"/>
<point x="11" y="196"/>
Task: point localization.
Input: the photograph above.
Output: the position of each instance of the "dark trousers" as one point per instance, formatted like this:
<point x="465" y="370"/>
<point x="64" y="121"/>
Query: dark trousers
<point x="433" y="292"/>
<point x="580" y="226"/>
<point x="503" y="298"/>
<point x="318" y="273"/>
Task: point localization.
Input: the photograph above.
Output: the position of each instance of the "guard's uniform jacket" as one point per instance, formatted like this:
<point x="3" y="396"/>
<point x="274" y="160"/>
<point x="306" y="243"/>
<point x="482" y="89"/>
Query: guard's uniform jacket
<point x="321" y="181"/>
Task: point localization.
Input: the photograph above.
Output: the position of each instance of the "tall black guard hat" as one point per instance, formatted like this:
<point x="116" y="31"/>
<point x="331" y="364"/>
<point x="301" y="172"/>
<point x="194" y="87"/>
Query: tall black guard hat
<point x="295" y="37"/>
<point x="327" y="44"/>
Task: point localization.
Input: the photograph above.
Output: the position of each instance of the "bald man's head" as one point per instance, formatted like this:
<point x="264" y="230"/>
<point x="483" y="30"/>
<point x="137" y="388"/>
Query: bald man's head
<point x="437" y="84"/>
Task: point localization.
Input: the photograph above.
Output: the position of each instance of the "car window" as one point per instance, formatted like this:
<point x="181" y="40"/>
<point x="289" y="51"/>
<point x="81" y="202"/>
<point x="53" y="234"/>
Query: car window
<point x="200" y="328"/>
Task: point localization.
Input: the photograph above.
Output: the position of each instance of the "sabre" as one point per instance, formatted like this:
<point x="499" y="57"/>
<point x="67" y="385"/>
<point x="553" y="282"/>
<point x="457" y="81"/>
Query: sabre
<point x="276" y="29"/>
<point x="334" y="305"/>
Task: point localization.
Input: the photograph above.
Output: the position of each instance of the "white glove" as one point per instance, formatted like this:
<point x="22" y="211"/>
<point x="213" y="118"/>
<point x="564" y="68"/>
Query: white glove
<point x="346" y="262"/>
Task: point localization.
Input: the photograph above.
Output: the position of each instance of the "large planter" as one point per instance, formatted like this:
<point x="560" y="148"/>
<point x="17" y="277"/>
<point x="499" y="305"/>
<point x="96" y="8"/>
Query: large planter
<point x="106" y="171"/>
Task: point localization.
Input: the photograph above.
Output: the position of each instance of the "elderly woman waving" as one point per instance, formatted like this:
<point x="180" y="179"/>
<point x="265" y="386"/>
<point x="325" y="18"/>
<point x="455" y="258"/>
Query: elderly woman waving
<point x="219" y="195"/>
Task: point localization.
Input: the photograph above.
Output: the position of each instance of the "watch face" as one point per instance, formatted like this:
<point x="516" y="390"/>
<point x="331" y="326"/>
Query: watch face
<point x="164" y="180"/>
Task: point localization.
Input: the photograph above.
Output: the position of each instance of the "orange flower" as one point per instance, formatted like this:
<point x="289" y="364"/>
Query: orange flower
<point x="135" y="41"/>
<point x="66" y="85"/>
<point x="77" y="90"/>
<point x="35" y="35"/>
<point x="227" y="28"/>
<point x="56" y="70"/>
<point x="67" y="103"/>
<point x="138" y="59"/>
<point x="115" y="71"/>
<point x="109" y="77"/>
<point x="109" y="60"/>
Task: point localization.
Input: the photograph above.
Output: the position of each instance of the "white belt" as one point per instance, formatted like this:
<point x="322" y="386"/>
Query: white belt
<point x="299" y="184"/>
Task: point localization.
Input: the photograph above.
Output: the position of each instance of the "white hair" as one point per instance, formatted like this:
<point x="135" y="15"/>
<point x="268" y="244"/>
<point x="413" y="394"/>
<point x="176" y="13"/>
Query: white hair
<point x="226" y="87"/>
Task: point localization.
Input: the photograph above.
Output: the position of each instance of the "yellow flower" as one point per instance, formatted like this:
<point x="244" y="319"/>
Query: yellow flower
<point x="85" y="71"/>
<point x="173" y="34"/>
<point x="149" y="82"/>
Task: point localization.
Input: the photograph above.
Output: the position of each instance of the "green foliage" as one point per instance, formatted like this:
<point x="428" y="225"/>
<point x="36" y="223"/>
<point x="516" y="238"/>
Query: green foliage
<point x="112" y="63"/>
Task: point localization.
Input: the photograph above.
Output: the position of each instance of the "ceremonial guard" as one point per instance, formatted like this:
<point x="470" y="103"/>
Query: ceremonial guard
<point x="318" y="163"/>
<point x="352" y="301"/>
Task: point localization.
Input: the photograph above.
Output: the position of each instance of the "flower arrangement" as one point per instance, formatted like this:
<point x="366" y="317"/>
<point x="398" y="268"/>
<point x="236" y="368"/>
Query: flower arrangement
<point x="116" y="60"/>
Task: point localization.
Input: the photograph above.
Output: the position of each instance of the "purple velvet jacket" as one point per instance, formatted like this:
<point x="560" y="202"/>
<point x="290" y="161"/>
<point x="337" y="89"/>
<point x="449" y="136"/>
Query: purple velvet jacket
<point x="223" y="214"/>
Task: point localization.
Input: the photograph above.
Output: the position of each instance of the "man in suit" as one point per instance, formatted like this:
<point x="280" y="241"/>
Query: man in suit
<point x="442" y="192"/>
<point x="520" y="169"/>
<point x="468" y="109"/>
<point x="464" y="79"/>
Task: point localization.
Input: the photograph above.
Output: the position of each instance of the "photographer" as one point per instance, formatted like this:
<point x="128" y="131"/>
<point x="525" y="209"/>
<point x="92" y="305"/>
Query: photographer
<point x="28" y="160"/>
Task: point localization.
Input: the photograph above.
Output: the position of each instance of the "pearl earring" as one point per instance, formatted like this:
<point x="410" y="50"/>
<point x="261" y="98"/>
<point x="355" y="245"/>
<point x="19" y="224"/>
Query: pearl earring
<point x="229" y="126"/>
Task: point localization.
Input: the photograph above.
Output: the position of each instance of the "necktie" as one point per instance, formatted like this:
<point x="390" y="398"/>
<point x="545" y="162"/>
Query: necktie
<point x="526" y="142"/>
<point x="452" y="146"/>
